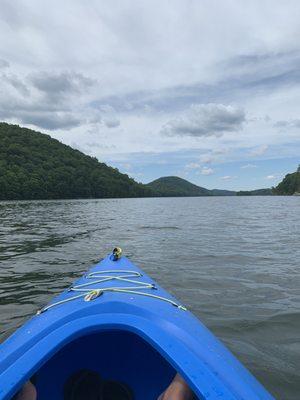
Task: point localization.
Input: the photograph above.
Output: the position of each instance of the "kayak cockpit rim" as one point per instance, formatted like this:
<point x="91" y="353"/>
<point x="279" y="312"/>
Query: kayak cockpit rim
<point x="33" y="359"/>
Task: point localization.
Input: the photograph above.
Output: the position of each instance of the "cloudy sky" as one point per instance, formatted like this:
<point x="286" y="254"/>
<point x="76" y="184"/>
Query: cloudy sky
<point x="204" y="89"/>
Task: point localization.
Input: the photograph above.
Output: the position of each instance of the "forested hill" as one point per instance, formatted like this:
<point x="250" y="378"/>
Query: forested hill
<point x="174" y="186"/>
<point x="35" y="166"/>
<point x="290" y="184"/>
<point x="256" y="192"/>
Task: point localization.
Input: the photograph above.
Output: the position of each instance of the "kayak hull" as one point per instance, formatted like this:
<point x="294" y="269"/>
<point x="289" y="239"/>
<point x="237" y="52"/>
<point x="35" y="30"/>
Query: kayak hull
<point x="139" y="336"/>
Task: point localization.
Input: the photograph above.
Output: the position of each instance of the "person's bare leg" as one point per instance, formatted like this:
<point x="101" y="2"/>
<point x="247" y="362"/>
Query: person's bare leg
<point x="28" y="392"/>
<point x="177" y="390"/>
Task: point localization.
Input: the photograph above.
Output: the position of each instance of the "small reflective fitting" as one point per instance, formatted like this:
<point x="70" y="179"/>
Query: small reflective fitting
<point x="93" y="294"/>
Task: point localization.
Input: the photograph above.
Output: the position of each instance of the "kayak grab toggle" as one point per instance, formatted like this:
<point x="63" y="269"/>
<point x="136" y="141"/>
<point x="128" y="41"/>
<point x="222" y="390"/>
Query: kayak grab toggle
<point x="116" y="254"/>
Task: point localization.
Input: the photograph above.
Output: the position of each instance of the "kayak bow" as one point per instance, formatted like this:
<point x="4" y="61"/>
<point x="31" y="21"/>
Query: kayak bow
<point x="117" y="321"/>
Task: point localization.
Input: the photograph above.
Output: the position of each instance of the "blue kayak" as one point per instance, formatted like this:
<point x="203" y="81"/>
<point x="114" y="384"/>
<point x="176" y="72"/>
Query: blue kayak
<point x="117" y="321"/>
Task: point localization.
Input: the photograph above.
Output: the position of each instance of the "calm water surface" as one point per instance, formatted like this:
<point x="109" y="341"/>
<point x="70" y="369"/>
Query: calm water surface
<point x="234" y="261"/>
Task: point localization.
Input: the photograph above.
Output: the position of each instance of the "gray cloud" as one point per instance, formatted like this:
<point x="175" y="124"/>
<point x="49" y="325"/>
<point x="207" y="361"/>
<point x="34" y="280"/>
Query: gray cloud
<point x="64" y="83"/>
<point x="50" y="121"/>
<point x="4" y="63"/>
<point x="47" y="100"/>
<point x="108" y="116"/>
<point x="16" y="83"/>
<point x="12" y="15"/>
<point x="250" y="75"/>
<point x="206" y="120"/>
<point x="111" y="122"/>
<point x="291" y="123"/>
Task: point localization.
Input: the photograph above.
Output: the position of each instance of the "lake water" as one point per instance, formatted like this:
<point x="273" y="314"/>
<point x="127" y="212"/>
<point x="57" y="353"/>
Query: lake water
<point x="234" y="261"/>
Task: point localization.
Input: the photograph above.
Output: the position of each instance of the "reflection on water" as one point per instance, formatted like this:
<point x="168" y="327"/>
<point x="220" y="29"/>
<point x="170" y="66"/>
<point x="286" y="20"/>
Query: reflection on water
<point x="233" y="260"/>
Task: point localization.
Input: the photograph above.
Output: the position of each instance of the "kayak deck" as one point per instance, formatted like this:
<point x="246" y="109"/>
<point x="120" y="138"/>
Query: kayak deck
<point x="134" y="333"/>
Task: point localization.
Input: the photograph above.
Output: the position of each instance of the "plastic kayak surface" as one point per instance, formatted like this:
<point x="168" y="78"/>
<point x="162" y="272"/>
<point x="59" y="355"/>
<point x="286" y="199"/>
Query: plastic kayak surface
<point x="119" y="322"/>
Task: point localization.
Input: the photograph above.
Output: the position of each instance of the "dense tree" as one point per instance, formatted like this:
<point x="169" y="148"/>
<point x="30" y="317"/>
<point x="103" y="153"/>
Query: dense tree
<point x="174" y="186"/>
<point x="290" y="184"/>
<point x="256" y="192"/>
<point x="35" y="166"/>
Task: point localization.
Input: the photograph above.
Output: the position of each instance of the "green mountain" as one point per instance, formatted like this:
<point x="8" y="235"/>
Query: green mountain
<point x="35" y="166"/>
<point x="221" y="192"/>
<point x="256" y="192"/>
<point x="170" y="186"/>
<point x="290" y="184"/>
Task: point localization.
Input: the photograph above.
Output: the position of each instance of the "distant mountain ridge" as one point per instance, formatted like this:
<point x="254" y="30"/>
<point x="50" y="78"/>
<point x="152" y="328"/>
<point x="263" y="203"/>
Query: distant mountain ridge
<point x="35" y="166"/>
<point x="169" y="186"/>
<point x="222" y="192"/>
<point x="255" y="192"/>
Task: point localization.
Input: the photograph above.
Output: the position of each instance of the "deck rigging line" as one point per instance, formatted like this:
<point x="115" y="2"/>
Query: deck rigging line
<point x="96" y="278"/>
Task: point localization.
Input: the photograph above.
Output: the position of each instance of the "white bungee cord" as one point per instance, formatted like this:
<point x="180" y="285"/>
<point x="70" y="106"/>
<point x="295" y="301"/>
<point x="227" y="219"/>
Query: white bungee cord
<point x="91" y="290"/>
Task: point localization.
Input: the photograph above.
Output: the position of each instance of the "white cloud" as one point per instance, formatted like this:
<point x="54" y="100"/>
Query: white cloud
<point x="259" y="151"/>
<point x="127" y="166"/>
<point x="202" y="169"/>
<point x="227" y="177"/>
<point x="248" y="166"/>
<point x="207" y="158"/>
<point x="135" y="175"/>
<point x="207" y="171"/>
<point x="271" y="177"/>
<point x="193" y="165"/>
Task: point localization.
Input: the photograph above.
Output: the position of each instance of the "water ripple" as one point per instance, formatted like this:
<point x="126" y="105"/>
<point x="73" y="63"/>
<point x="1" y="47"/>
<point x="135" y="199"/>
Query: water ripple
<point x="234" y="261"/>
